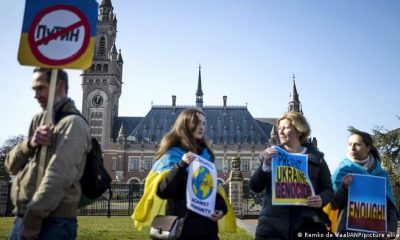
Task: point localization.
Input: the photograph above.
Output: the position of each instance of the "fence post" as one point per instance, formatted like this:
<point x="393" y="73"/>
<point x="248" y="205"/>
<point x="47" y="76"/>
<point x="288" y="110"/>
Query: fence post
<point x="109" y="201"/>
<point x="236" y="187"/>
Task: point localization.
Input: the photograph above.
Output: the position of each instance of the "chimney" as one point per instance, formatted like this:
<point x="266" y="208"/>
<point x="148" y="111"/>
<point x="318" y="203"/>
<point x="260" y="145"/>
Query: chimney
<point x="173" y="104"/>
<point x="173" y="101"/>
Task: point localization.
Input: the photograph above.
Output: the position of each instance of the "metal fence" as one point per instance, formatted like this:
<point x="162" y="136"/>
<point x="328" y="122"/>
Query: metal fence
<point x="252" y="202"/>
<point x="5" y="200"/>
<point x="120" y="202"/>
<point x="124" y="197"/>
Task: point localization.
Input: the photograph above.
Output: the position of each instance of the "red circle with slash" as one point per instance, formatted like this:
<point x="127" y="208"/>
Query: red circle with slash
<point x="53" y="47"/>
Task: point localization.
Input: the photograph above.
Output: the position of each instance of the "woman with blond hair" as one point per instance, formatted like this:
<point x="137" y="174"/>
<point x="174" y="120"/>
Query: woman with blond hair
<point x="291" y="222"/>
<point x="177" y="151"/>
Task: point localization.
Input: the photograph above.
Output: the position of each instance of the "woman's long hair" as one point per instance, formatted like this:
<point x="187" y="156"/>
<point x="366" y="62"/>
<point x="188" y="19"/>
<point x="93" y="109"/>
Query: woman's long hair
<point x="367" y="139"/>
<point x="181" y="134"/>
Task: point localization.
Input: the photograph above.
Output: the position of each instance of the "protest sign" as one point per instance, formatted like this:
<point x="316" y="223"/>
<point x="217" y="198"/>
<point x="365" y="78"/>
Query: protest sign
<point x="290" y="182"/>
<point x="201" y="188"/>
<point x="366" y="204"/>
<point x="58" y="33"/>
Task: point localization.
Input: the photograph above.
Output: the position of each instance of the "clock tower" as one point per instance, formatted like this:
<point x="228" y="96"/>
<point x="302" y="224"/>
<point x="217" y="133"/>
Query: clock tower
<point x="103" y="81"/>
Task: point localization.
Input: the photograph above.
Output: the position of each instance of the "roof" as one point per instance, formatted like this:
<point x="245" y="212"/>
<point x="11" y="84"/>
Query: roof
<point x="129" y="124"/>
<point x="230" y="125"/>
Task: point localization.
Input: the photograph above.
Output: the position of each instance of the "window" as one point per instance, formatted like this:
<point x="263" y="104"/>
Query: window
<point x="114" y="164"/>
<point x="133" y="163"/>
<point x="218" y="164"/>
<point x="148" y="163"/>
<point x="227" y="165"/>
<point x="245" y="164"/>
<point x="98" y="68"/>
<point x="254" y="163"/>
<point x="102" y="46"/>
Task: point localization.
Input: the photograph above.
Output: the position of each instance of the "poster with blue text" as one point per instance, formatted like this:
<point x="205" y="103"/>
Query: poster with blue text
<point x="290" y="182"/>
<point x="366" y="204"/>
<point x="201" y="187"/>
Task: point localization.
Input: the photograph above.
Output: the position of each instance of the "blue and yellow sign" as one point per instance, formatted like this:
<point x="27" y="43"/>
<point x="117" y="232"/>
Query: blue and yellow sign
<point x="291" y="184"/>
<point x="366" y="206"/>
<point x="58" y="33"/>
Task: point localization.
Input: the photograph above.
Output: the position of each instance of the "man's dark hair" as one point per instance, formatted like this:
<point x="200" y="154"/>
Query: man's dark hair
<point x="61" y="75"/>
<point x="367" y="139"/>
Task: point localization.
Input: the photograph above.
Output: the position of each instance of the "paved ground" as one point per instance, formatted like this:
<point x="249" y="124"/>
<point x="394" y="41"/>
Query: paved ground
<point x="249" y="225"/>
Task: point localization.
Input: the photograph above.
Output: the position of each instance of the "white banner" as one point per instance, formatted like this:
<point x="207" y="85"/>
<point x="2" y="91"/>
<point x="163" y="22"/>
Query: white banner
<point x="201" y="189"/>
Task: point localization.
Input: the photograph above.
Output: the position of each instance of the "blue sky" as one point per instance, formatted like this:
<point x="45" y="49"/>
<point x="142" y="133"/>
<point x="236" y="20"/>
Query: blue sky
<point x="344" y="54"/>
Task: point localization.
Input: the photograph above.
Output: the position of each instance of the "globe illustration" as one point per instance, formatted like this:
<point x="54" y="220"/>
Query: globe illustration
<point x="202" y="183"/>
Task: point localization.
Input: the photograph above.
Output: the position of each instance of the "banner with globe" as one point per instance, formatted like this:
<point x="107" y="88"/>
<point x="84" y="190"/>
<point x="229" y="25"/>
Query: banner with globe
<point x="201" y="187"/>
<point x="290" y="182"/>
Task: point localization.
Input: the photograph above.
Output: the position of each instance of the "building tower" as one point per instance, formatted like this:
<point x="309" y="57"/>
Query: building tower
<point x="294" y="104"/>
<point x="102" y="82"/>
<point x="199" y="92"/>
<point x="273" y="138"/>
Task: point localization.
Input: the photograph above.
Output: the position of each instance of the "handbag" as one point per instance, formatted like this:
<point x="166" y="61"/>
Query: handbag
<point x="167" y="227"/>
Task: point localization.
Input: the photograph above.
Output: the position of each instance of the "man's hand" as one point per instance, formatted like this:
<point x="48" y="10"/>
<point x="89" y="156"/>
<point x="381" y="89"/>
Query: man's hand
<point x="28" y="234"/>
<point x="41" y="136"/>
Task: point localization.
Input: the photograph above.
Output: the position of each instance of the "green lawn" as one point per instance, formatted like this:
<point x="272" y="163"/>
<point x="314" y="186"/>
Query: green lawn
<point x="103" y="228"/>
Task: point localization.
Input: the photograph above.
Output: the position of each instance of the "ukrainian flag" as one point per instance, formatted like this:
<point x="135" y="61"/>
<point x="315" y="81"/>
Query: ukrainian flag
<point x="150" y="204"/>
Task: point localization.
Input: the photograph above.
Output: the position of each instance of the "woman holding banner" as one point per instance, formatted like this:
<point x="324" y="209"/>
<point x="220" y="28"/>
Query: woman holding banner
<point x="168" y="179"/>
<point x="362" y="158"/>
<point x="288" y="221"/>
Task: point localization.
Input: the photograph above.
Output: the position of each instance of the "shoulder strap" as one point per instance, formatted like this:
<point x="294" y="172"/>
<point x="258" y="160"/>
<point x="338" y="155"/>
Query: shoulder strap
<point x="57" y="117"/>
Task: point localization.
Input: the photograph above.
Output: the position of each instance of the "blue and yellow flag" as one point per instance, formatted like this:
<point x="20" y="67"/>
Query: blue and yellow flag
<point x="333" y="216"/>
<point x="150" y="204"/>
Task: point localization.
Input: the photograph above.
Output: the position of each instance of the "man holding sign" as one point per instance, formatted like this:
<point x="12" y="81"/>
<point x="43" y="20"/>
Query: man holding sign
<point x="47" y="209"/>
<point x="299" y="178"/>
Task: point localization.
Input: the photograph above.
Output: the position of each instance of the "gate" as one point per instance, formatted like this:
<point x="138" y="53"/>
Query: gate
<point x="124" y="197"/>
<point x="252" y="202"/>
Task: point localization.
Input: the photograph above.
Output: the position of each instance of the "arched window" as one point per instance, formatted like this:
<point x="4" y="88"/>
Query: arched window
<point x="98" y="67"/>
<point x="105" y="68"/>
<point x="102" y="46"/>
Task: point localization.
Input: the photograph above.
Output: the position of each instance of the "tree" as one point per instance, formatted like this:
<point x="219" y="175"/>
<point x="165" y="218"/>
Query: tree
<point x="388" y="144"/>
<point x="4" y="149"/>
